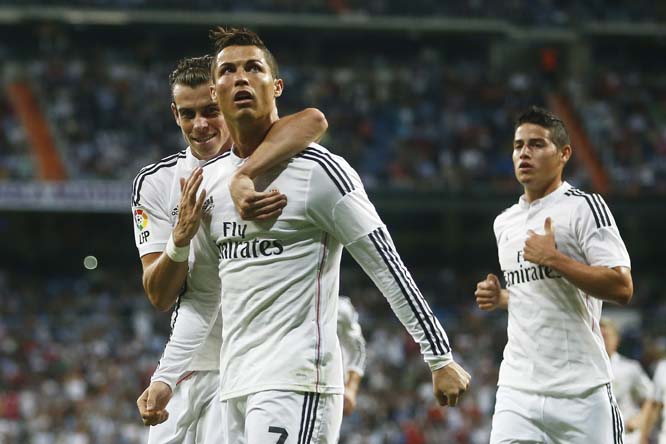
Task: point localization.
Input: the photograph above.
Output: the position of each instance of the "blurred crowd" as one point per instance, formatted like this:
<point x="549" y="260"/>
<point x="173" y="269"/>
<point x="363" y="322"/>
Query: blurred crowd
<point x="76" y="352"/>
<point x="422" y="123"/>
<point x="541" y="12"/>
<point x="422" y="119"/>
<point x="624" y="114"/>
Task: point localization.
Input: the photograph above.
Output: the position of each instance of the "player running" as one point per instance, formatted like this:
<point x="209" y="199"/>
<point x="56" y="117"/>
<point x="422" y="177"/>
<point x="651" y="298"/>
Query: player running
<point x="562" y="256"/>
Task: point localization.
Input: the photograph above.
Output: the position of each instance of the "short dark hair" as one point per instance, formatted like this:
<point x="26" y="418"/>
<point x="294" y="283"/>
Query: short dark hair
<point x="192" y="72"/>
<point x="547" y="120"/>
<point x="223" y="37"/>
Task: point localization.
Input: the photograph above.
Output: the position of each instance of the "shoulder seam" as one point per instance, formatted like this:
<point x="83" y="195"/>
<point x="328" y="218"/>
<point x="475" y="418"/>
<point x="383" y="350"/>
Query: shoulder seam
<point x="331" y="167"/>
<point x="596" y="205"/>
<point x="167" y="162"/>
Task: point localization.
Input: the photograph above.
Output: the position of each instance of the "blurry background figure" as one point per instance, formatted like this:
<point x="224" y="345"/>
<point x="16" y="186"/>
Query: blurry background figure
<point x="656" y="406"/>
<point x="631" y="385"/>
<point x="424" y="115"/>
<point x="352" y="344"/>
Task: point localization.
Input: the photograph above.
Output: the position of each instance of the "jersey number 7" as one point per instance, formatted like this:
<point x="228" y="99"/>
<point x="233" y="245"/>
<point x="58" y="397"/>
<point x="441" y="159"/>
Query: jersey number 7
<point x="283" y="434"/>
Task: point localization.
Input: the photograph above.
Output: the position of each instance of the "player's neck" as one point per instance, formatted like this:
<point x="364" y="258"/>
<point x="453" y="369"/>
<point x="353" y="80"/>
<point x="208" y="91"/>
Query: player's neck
<point x="247" y="134"/>
<point x="539" y="192"/>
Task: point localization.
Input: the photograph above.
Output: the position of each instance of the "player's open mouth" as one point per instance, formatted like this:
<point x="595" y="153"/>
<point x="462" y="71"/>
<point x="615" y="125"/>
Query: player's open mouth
<point x="523" y="166"/>
<point x="243" y="97"/>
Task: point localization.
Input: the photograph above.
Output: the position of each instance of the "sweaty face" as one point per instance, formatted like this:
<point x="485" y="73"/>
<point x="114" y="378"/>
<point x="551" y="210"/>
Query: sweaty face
<point x="537" y="162"/>
<point x="244" y="84"/>
<point x="200" y="120"/>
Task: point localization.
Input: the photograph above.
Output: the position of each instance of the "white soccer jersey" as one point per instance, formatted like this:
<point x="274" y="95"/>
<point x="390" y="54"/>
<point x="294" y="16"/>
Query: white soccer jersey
<point x="351" y="337"/>
<point x="279" y="278"/>
<point x="659" y="395"/>
<point x="155" y="199"/>
<point x="554" y="343"/>
<point x="631" y="385"/>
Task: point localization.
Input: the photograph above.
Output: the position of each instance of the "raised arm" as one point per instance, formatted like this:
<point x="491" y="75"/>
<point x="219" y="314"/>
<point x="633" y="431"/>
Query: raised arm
<point x="287" y="137"/>
<point x="164" y="273"/>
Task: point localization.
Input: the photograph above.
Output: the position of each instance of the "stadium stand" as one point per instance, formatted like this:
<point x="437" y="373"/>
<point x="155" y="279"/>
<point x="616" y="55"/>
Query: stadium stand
<point x="425" y="118"/>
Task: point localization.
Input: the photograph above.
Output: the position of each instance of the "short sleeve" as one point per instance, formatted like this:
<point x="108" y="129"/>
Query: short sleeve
<point x="151" y="221"/>
<point x="598" y="235"/>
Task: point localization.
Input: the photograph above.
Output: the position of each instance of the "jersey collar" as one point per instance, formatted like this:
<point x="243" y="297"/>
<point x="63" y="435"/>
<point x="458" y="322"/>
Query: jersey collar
<point x="546" y="200"/>
<point x="191" y="160"/>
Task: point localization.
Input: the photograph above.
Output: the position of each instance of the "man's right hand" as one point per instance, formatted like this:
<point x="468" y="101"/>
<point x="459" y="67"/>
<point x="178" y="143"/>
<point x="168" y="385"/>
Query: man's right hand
<point x="254" y="205"/>
<point x="189" y="209"/>
<point x="152" y="403"/>
<point x="449" y="383"/>
<point x="489" y="293"/>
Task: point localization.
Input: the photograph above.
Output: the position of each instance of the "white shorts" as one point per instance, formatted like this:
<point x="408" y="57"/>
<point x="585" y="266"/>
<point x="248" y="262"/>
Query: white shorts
<point x="194" y="412"/>
<point x="283" y="417"/>
<point x="523" y="417"/>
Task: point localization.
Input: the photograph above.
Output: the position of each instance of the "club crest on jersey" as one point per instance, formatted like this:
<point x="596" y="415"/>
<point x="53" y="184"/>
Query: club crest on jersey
<point x="140" y="218"/>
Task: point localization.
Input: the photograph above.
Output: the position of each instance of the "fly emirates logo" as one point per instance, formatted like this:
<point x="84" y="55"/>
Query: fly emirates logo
<point x="528" y="272"/>
<point x="239" y="248"/>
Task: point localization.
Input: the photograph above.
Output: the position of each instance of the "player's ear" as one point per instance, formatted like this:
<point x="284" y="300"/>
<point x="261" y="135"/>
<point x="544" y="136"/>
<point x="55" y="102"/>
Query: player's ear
<point x="565" y="152"/>
<point x="174" y="110"/>
<point x="213" y="94"/>
<point x="279" y="87"/>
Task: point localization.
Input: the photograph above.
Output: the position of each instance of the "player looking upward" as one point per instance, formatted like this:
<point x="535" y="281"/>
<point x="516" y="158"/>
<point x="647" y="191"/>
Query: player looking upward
<point x="281" y="376"/>
<point x="165" y="215"/>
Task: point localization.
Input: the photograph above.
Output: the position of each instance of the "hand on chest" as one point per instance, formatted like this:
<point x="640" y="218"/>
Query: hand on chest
<point x="532" y="238"/>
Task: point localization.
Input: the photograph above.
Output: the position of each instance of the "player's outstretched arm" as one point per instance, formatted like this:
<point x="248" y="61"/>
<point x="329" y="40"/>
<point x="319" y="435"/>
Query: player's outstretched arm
<point x="152" y="403"/>
<point x="339" y="205"/>
<point x="287" y="137"/>
<point x="490" y="294"/>
<point x="164" y="273"/>
<point x="609" y="284"/>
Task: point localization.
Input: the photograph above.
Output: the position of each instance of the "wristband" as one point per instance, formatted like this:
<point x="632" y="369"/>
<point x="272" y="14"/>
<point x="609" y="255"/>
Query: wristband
<point x="177" y="254"/>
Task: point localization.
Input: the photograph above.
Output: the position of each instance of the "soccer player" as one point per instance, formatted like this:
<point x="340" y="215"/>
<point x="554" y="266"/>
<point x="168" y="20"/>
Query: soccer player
<point x="656" y="406"/>
<point x="562" y="256"/>
<point x="281" y="376"/>
<point x="352" y="344"/>
<point x="164" y="208"/>
<point x="631" y="385"/>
